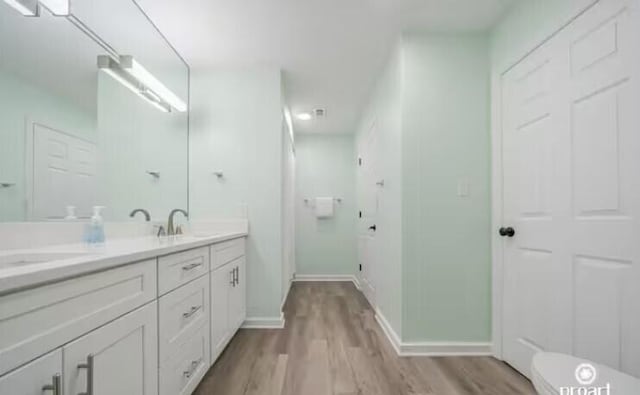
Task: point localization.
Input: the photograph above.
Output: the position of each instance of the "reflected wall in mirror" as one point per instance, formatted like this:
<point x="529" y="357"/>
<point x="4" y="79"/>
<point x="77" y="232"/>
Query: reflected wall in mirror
<point x="76" y="134"/>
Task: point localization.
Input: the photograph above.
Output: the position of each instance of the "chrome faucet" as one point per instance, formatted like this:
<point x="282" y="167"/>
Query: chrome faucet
<point x="170" y="228"/>
<point x="147" y="217"/>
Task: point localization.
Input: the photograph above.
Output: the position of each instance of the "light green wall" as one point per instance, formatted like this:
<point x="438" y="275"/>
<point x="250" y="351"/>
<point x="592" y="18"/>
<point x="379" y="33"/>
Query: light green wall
<point x="430" y="108"/>
<point x="384" y="112"/>
<point x="133" y="138"/>
<point x="20" y="103"/>
<point x="446" y="140"/>
<point x="236" y="128"/>
<point x="325" y="166"/>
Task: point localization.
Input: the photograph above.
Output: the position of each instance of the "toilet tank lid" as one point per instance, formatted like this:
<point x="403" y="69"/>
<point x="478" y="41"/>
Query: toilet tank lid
<point x="560" y="370"/>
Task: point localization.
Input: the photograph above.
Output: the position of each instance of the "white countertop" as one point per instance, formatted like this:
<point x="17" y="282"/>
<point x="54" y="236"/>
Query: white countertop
<point x="111" y="254"/>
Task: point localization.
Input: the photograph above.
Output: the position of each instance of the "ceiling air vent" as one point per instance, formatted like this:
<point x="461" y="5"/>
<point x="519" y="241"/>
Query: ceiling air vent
<point x="320" y="112"/>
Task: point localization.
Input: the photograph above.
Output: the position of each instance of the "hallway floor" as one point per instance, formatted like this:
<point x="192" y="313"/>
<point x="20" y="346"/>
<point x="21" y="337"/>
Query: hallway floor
<point x="332" y="345"/>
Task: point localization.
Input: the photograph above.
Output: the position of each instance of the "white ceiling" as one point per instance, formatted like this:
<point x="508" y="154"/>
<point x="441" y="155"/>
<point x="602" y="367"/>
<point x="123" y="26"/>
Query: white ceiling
<point x="330" y="50"/>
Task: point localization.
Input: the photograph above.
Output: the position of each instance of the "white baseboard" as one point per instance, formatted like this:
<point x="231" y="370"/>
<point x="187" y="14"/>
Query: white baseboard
<point x="264" y="322"/>
<point x="286" y="296"/>
<point x="327" y="277"/>
<point x="431" y="349"/>
<point x="392" y="336"/>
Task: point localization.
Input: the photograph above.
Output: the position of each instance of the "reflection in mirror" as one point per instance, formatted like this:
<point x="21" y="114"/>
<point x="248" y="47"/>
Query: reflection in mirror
<point x="90" y="116"/>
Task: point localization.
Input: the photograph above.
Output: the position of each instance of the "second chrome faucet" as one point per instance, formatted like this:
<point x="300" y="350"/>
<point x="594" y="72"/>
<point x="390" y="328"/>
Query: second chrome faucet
<point x="171" y="230"/>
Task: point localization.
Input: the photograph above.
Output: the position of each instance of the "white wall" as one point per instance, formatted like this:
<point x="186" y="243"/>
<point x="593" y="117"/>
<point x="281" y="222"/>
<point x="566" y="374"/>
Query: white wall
<point x="236" y="128"/>
<point x="325" y="166"/>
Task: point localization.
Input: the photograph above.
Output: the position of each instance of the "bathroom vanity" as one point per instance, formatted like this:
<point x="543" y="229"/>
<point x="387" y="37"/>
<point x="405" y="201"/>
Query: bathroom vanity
<point x="144" y="316"/>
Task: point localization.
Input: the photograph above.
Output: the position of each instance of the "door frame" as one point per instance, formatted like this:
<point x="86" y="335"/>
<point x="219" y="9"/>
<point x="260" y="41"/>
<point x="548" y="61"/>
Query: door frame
<point x="497" y="182"/>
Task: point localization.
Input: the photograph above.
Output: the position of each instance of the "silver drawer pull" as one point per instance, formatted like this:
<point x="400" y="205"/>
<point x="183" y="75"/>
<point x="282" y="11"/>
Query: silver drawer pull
<point x="54" y="387"/>
<point x="191" y="312"/>
<point x="192" y="368"/>
<point x="89" y="367"/>
<point x="191" y="266"/>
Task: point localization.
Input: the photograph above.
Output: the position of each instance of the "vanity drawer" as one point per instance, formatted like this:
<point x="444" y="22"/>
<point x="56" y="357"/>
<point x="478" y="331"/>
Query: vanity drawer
<point x="178" y="269"/>
<point x="181" y="374"/>
<point x="227" y="251"/>
<point x="182" y="313"/>
<point x="36" y="321"/>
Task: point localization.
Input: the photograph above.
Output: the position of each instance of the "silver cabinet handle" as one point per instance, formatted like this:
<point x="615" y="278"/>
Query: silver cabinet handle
<point x="191" y="266"/>
<point x="233" y="277"/>
<point x="192" y="311"/>
<point x="192" y="368"/>
<point x="54" y="387"/>
<point x="89" y="367"/>
<point x="237" y="275"/>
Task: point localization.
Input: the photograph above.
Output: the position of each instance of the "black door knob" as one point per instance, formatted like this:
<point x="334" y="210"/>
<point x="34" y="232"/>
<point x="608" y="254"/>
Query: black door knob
<point x="507" y="232"/>
<point x="373" y="228"/>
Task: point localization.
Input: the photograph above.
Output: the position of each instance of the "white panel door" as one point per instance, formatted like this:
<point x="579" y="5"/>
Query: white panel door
<point x="118" y="358"/>
<point x="40" y="377"/>
<point x="370" y="182"/>
<point x="64" y="174"/>
<point x="571" y="154"/>
<point x="533" y="118"/>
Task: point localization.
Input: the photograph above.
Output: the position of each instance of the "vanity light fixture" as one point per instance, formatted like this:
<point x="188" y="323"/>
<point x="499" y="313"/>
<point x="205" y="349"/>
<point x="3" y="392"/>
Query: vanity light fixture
<point x="304" y="116"/>
<point x="25" y="7"/>
<point x="107" y="64"/>
<point x="57" y="7"/>
<point x="129" y="64"/>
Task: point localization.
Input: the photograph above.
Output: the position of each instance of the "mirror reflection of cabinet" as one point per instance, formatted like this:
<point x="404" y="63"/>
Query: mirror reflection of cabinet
<point x="70" y="134"/>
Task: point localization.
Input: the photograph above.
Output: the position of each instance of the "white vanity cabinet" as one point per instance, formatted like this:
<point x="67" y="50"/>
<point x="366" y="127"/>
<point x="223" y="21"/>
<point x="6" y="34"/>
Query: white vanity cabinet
<point x="150" y="327"/>
<point x="40" y="377"/>
<point x="238" y="295"/>
<point x="118" y="358"/>
<point x="221" y="279"/>
<point x="228" y="293"/>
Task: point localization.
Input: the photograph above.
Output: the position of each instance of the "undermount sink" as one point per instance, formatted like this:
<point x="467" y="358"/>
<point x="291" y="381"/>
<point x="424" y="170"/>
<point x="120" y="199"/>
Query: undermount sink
<point x="23" y="259"/>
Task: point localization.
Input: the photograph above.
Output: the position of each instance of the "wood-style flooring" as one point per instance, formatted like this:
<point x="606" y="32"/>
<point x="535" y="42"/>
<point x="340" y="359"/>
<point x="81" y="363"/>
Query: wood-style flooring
<point x="332" y="345"/>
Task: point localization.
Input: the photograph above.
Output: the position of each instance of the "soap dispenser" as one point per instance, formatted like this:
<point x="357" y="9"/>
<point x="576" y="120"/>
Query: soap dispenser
<point x="95" y="231"/>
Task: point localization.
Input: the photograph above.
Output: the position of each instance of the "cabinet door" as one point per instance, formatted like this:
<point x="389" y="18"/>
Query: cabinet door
<point x="221" y="280"/>
<point x="40" y="377"/>
<point x="118" y="358"/>
<point x="237" y="298"/>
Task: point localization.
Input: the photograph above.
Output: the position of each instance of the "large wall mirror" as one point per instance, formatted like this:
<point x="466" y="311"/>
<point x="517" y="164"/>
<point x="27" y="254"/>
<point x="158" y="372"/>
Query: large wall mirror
<point x="93" y="112"/>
